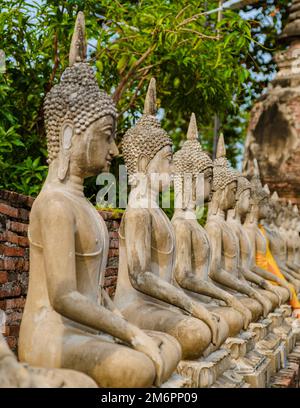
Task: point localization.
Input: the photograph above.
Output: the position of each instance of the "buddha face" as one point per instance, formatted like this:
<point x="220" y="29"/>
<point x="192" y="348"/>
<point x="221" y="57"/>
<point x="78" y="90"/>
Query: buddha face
<point x="208" y="182"/>
<point x="159" y="169"/>
<point x="243" y="203"/>
<point x="229" y="196"/>
<point x="263" y="209"/>
<point x="94" y="150"/>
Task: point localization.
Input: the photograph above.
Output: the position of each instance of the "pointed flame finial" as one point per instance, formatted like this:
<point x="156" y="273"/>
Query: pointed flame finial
<point x="267" y="190"/>
<point x="78" y="43"/>
<point x="275" y="196"/>
<point x="192" y="133"/>
<point x="150" y="101"/>
<point x="221" y="149"/>
<point x="256" y="168"/>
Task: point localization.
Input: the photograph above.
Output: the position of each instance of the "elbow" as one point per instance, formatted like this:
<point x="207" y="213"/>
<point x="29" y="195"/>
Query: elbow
<point x="61" y="301"/>
<point x="213" y="273"/>
<point x="138" y="281"/>
<point x="181" y="277"/>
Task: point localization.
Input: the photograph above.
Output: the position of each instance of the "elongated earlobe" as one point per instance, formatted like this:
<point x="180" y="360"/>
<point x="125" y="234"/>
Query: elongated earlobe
<point x="65" y="151"/>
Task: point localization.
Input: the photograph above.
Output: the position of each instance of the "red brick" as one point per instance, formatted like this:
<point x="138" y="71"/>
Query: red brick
<point x="18" y="227"/>
<point x="17" y="303"/>
<point x="23" y="241"/>
<point x="114" y="244"/>
<point x="110" y="281"/>
<point x="8" y="210"/>
<point x="11" y="289"/>
<point x="110" y="290"/>
<point x="14" y="330"/>
<point x="111" y="271"/>
<point x="11" y="237"/>
<point x="113" y="253"/>
<point x="3" y="277"/>
<point x="11" y="251"/>
<point x="14" y="316"/>
<point x="113" y="234"/>
<point x="3" y="304"/>
<point x="30" y="201"/>
<point x="12" y="342"/>
<point x="13" y="264"/>
<point x="116" y="225"/>
<point x="23" y="214"/>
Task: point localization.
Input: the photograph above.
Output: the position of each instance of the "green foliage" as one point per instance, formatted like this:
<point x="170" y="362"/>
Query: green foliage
<point x="196" y="61"/>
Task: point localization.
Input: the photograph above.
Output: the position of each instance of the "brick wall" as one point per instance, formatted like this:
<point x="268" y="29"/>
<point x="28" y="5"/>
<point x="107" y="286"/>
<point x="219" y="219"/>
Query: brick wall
<point x="14" y="258"/>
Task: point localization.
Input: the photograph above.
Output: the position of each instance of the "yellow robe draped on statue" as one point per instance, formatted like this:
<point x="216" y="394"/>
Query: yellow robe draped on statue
<point x="267" y="262"/>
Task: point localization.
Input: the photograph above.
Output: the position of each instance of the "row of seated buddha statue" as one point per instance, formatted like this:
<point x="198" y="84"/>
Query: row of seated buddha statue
<point x="182" y="290"/>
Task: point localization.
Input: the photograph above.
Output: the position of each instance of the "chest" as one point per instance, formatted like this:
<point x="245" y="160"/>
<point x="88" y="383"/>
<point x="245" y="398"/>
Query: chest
<point x="261" y="243"/>
<point x="91" y="234"/>
<point x="230" y="242"/>
<point x="162" y="233"/>
<point x="201" y="250"/>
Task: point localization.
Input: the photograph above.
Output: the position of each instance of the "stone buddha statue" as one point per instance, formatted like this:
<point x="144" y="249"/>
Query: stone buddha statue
<point x="68" y="321"/>
<point x="278" y="245"/>
<point x="292" y="239"/>
<point x="235" y="220"/>
<point x="16" y="375"/>
<point x="295" y="229"/>
<point x="145" y="293"/>
<point x="193" y="252"/>
<point x="257" y="236"/>
<point x="224" y="244"/>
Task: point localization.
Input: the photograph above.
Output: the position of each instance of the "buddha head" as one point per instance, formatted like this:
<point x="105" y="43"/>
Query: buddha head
<point x="80" y="119"/>
<point x="281" y="213"/>
<point x="224" y="181"/>
<point x="296" y="220"/>
<point x="147" y="148"/>
<point x="193" y="170"/>
<point x="259" y="196"/>
<point x="243" y="195"/>
<point x="290" y="215"/>
<point x="275" y="207"/>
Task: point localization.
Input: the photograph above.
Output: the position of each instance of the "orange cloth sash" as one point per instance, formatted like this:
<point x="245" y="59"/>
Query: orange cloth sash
<point x="267" y="262"/>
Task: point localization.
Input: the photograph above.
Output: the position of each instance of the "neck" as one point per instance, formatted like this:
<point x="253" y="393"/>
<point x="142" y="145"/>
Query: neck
<point x="142" y="196"/>
<point x="188" y="213"/>
<point x="234" y="215"/>
<point x="72" y="182"/>
<point x="219" y="213"/>
<point x="252" y="216"/>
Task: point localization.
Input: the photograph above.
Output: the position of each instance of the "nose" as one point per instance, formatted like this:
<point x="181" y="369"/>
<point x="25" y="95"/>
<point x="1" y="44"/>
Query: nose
<point x="114" y="151"/>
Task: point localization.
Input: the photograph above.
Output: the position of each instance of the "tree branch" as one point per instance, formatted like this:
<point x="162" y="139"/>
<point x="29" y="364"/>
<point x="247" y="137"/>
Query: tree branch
<point x="122" y="85"/>
<point x="135" y="95"/>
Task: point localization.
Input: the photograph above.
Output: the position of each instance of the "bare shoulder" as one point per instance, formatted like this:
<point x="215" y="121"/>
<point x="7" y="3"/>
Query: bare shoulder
<point x="139" y="216"/>
<point x="211" y="225"/>
<point x="181" y="226"/>
<point x="51" y="203"/>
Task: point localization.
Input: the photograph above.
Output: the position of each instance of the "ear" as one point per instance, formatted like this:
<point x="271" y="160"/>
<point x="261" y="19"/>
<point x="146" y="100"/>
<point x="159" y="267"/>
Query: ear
<point x="65" y="146"/>
<point x="66" y="136"/>
<point x="142" y="163"/>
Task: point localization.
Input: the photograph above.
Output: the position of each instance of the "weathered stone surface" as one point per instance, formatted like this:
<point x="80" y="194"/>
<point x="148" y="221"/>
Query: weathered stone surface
<point x="273" y="136"/>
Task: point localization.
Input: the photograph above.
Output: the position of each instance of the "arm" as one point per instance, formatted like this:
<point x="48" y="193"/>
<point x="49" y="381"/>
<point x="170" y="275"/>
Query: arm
<point x="186" y="277"/>
<point x="268" y="276"/>
<point x="138" y="247"/>
<point x="217" y="273"/>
